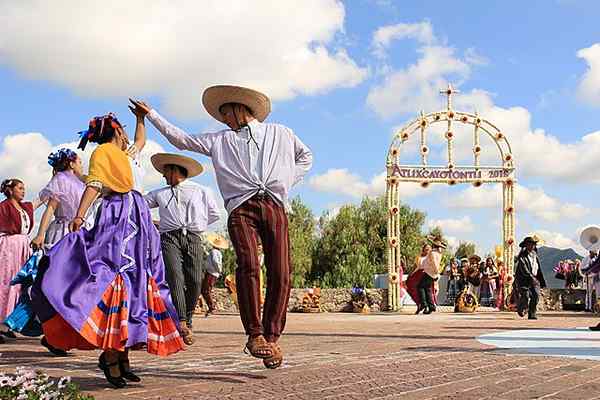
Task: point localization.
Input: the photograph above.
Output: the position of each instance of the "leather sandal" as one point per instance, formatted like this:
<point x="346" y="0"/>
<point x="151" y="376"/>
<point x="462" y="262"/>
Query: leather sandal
<point x="258" y="347"/>
<point x="186" y="333"/>
<point x="276" y="359"/>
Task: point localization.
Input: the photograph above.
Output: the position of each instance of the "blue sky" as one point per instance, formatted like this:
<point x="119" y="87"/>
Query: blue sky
<point x="344" y="76"/>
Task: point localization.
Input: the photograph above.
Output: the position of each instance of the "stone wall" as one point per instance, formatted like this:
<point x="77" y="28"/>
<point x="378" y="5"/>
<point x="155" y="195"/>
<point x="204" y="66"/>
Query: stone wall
<point x="332" y="300"/>
<point x="562" y="299"/>
<point x="339" y="300"/>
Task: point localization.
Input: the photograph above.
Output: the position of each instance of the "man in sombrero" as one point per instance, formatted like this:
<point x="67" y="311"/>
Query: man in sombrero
<point x="214" y="268"/>
<point x="256" y="164"/>
<point x="185" y="209"/>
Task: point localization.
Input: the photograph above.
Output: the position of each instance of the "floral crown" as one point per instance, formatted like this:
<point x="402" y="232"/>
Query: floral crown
<point x="61" y="155"/>
<point x="97" y="128"/>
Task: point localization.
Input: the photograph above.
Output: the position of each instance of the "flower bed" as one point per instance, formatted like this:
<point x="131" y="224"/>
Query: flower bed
<point x="28" y="384"/>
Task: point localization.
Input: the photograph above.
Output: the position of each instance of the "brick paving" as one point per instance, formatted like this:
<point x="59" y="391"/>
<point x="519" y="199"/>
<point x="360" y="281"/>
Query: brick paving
<point x="343" y="356"/>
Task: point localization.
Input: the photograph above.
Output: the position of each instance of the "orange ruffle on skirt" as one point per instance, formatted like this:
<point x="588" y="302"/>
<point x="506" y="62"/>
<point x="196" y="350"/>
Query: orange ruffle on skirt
<point x="106" y="326"/>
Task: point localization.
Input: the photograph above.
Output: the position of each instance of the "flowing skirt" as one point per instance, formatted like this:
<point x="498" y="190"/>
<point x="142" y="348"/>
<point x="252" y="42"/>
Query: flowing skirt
<point x="57" y="229"/>
<point x="14" y="252"/>
<point x="487" y="293"/>
<point x="23" y="319"/>
<point x="105" y="287"/>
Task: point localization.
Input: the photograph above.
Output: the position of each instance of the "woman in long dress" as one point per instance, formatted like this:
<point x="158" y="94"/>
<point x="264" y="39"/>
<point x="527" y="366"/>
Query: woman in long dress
<point x="487" y="289"/>
<point x="61" y="196"/>
<point x="16" y="221"/>
<point x="104" y="287"/>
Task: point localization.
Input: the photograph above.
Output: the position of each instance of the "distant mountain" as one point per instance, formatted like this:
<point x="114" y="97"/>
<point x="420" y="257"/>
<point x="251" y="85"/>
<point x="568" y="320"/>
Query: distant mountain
<point x="549" y="258"/>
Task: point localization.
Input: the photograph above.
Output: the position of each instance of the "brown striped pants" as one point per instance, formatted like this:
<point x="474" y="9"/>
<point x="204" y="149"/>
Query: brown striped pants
<point x="262" y="218"/>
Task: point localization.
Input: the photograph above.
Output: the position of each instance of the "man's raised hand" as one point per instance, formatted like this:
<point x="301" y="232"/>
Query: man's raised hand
<point x="140" y="108"/>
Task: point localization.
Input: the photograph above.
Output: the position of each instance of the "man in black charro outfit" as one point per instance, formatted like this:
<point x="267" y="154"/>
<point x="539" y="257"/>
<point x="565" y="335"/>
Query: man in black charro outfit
<point x="529" y="278"/>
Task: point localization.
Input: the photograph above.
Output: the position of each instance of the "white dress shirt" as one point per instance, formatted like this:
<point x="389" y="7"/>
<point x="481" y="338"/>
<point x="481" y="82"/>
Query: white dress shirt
<point x="214" y="266"/>
<point x="272" y="163"/>
<point x="534" y="263"/>
<point x="187" y="206"/>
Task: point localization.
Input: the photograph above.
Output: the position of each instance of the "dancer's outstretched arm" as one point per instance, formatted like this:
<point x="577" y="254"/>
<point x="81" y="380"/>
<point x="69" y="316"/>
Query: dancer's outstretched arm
<point x="176" y="136"/>
<point x="38" y="240"/>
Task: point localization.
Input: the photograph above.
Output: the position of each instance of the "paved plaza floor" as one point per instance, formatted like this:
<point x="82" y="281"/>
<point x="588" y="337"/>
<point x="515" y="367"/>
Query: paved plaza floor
<point x="488" y="355"/>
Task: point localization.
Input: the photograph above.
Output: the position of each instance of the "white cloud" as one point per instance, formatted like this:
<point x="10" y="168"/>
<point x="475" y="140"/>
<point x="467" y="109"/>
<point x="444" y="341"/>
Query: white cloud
<point x="534" y="201"/>
<point x="25" y="156"/>
<point x="560" y="241"/>
<point x="417" y="87"/>
<point x="421" y="31"/>
<point x="589" y="86"/>
<point x="451" y="225"/>
<point x="343" y="182"/>
<point x="176" y="49"/>
<point x="574" y="162"/>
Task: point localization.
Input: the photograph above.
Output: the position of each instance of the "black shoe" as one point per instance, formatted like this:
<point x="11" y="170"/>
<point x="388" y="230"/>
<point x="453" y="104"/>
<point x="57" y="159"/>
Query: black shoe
<point x="521" y="313"/>
<point x="419" y="309"/>
<point x="2" y="341"/>
<point x="595" y="328"/>
<point x="433" y="308"/>
<point x="116" y="381"/>
<point x="130" y="376"/>
<point x="57" y="352"/>
<point x="532" y="317"/>
<point x="427" y="311"/>
<point x="9" y="334"/>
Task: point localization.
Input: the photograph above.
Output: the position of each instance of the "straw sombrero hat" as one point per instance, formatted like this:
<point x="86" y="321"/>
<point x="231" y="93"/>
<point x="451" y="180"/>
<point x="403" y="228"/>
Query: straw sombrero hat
<point x="437" y="241"/>
<point x="193" y="167"/>
<point x="217" y="240"/>
<point x="475" y="258"/>
<point x="215" y="96"/>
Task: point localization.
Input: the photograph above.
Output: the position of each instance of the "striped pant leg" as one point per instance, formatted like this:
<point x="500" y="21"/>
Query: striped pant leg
<point x="193" y="265"/>
<point x="243" y="232"/>
<point x="208" y="283"/>
<point x="173" y="257"/>
<point x="276" y="246"/>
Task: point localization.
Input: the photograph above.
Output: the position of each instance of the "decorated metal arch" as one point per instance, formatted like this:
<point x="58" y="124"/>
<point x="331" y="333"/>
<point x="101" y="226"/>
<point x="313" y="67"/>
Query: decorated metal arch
<point x="450" y="174"/>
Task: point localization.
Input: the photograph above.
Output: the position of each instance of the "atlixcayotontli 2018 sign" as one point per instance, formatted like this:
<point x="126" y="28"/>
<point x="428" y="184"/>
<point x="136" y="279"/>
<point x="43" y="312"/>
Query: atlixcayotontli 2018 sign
<point x="483" y="174"/>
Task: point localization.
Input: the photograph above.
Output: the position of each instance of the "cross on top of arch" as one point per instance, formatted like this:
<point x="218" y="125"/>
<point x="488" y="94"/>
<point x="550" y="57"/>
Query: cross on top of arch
<point x="452" y="119"/>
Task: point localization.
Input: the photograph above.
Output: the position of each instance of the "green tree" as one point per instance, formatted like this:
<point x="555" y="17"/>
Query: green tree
<point x="301" y="222"/>
<point x="465" y="250"/>
<point x="352" y="246"/>
<point x="301" y="225"/>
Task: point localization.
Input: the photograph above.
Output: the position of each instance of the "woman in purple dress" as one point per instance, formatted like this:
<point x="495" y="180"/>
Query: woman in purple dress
<point x="104" y="287"/>
<point x="61" y="196"/>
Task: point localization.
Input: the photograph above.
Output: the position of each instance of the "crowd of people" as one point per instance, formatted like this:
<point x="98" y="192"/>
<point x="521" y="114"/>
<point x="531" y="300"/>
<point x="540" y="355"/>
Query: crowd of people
<point x="472" y="282"/>
<point x="483" y="279"/>
<point x="105" y="275"/>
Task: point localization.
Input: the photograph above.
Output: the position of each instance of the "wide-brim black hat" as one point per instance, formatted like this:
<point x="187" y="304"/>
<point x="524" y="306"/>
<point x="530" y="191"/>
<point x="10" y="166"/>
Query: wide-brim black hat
<point x="528" y="240"/>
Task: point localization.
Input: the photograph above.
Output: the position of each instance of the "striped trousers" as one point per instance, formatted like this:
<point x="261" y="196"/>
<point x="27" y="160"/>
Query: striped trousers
<point x="184" y="261"/>
<point x="261" y="218"/>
